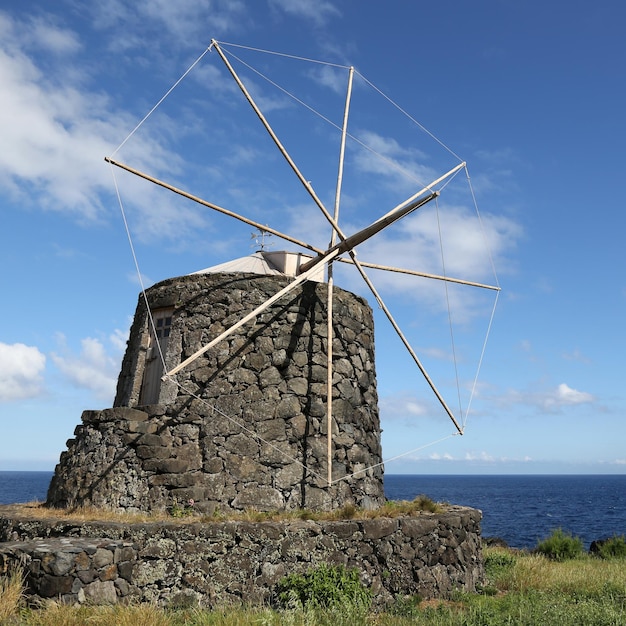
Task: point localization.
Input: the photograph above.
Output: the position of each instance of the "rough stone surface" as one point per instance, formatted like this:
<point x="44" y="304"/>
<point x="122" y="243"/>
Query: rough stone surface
<point x="217" y="562"/>
<point x="244" y="425"/>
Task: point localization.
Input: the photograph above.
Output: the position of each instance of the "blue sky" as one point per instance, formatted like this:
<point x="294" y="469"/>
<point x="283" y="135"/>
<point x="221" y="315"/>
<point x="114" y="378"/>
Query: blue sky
<point x="531" y="95"/>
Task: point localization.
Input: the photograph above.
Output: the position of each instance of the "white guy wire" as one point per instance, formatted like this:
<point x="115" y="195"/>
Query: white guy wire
<point x="447" y="292"/>
<point x="167" y="93"/>
<point x="423" y="128"/>
<point x="136" y="262"/>
<point x="393" y="164"/>
<point x="282" y="54"/>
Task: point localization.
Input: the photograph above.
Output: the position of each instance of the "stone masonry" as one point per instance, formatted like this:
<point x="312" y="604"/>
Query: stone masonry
<point x="244" y="425"/>
<point x="213" y="563"/>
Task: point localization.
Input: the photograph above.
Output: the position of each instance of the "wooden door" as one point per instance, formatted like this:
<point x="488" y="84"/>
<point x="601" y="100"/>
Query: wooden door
<point x="155" y="355"/>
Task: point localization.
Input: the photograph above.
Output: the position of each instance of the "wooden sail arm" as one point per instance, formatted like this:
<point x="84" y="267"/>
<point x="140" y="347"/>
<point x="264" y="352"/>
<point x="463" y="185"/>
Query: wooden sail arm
<point x="215" y="207"/>
<point x="277" y="142"/>
<point x="401" y="270"/>
<point x="408" y="346"/>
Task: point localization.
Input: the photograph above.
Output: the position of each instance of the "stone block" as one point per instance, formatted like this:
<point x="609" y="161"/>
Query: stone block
<point x="108" y="573"/>
<point x="102" y="558"/>
<point x="260" y="497"/>
<point x="48" y="586"/>
<point x="379" y="527"/>
<point x="100" y="592"/>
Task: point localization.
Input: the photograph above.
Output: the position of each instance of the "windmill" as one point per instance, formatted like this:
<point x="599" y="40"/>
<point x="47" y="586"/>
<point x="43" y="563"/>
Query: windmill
<point x="341" y="247"/>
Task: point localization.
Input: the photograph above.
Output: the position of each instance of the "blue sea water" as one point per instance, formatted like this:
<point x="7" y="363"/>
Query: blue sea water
<point x="524" y="509"/>
<point x="520" y="509"/>
<point x="23" y="486"/>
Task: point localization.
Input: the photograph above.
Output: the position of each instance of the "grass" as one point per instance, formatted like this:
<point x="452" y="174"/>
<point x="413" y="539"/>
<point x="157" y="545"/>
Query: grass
<point x="391" y="508"/>
<point x="523" y="589"/>
<point x="11" y="595"/>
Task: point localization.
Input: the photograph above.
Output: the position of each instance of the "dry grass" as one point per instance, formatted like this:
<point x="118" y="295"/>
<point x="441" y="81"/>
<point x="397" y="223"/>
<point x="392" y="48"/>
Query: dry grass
<point x="63" y="615"/>
<point x="37" y="510"/>
<point x="11" y="594"/>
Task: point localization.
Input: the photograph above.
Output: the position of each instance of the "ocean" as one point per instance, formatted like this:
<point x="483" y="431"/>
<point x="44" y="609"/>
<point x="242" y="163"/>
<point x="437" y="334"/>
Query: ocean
<point x="520" y="509"/>
<point x="524" y="509"/>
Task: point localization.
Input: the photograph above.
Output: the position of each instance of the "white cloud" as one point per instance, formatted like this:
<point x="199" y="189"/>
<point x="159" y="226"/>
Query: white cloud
<point x="92" y="369"/>
<point x="468" y="250"/>
<point x="118" y="339"/>
<point x="56" y="133"/>
<point x="319" y="11"/>
<point x="403" y="407"/>
<point x="577" y="355"/>
<point x="21" y="368"/>
<point x="435" y="456"/>
<point x="567" y="396"/>
<point x="53" y="135"/>
<point x="479" y="456"/>
<point x="551" y="401"/>
<point x="45" y="34"/>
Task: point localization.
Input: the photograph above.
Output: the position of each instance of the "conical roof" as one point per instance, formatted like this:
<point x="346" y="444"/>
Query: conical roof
<point x="263" y="262"/>
<point x="254" y="264"/>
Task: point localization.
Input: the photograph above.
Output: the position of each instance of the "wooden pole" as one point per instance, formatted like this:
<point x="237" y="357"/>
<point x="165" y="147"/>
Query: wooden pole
<point x="279" y="145"/>
<point x="215" y="207"/>
<point x="401" y="270"/>
<point x="329" y="304"/>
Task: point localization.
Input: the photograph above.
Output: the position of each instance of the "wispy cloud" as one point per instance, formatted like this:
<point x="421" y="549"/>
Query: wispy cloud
<point x="578" y="356"/>
<point x="184" y="23"/>
<point x="317" y="11"/>
<point x="404" y="407"/>
<point x="336" y="79"/>
<point x="549" y="400"/>
<point x="396" y="164"/>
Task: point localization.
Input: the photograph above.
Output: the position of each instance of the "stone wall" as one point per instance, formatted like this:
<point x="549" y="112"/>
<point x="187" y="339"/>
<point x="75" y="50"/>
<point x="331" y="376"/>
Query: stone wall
<point x="244" y="425"/>
<point x="217" y="562"/>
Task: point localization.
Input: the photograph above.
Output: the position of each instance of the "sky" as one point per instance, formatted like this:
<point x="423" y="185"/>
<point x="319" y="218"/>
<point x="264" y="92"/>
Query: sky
<point x="530" y="95"/>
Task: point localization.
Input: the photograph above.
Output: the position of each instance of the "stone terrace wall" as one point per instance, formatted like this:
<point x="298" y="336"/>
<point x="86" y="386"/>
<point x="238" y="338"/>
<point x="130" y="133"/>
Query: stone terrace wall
<point x="245" y="426"/>
<point x="213" y="563"/>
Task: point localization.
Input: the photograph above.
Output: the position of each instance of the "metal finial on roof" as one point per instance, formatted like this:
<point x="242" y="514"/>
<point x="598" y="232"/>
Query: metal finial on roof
<point x="260" y="242"/>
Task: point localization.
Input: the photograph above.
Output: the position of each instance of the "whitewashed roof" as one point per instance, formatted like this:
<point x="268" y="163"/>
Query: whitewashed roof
<point x="265" y="263"/>
<point x="255" y="264"/>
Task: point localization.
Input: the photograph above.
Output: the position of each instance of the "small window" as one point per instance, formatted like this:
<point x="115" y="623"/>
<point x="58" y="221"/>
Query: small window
<point x="163" y="326"/>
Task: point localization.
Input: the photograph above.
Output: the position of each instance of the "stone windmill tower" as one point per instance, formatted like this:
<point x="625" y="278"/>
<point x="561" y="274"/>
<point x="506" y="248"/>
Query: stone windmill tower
<point x="244" y="426"/>
<point x="250" y="384"/>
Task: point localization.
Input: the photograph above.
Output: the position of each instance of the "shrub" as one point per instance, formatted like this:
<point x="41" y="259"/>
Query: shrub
<point x="613" y="548"/>
<point x="325" y="586"/>
<point x="497" y="562"/>
<point x="560" y="546"/>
